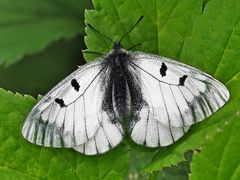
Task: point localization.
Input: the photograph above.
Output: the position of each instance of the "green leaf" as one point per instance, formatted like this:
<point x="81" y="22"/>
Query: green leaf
<point x="20" y="159"/>
<point x="180" y="171"/>
<point x="29" y="26"/>
<point x="204" y="34"/>
<point x="213" y="45"/>
<point x="220" y="156"/>
<point x="163" y="20"/>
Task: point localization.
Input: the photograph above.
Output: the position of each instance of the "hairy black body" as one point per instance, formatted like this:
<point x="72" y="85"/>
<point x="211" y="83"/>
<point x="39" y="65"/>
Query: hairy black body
<point x="123" y="91"/>
<point x="120" y="96"/>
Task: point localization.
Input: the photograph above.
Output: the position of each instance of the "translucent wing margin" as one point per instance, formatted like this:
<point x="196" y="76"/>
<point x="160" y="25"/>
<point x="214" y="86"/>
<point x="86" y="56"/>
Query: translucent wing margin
<point x="68" y="115"/>
<point x="176" y="96"/>
<point x="108" y="136"/>
<point x="148" y="131"/>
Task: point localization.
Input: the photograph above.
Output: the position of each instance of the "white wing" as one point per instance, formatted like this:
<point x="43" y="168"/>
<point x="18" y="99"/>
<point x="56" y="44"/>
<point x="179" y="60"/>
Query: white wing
<point x="72" y="114"/>
<point x="108" y="136"/>
<point x="148" y="131"/>
<point x="176" y="97"/>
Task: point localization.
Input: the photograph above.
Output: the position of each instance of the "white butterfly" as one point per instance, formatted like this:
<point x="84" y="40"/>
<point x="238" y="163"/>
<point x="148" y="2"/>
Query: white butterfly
<point x="87" y="111"/>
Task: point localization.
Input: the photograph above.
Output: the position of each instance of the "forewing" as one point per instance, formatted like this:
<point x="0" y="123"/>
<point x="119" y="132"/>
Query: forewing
<point x="177" y="95"/>
<point x="69" y="114"/>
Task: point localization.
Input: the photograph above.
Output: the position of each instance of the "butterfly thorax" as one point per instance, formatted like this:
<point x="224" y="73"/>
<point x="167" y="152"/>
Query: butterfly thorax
<point x="120" y="91"/>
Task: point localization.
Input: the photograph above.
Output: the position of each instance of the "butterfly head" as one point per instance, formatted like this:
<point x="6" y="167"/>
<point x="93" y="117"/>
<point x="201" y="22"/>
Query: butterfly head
<point x="117" y="50"/>
<point x="117" y="45"/>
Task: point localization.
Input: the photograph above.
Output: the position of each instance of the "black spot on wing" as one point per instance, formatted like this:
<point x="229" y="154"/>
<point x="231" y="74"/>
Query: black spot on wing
<point x="60" y="102"/>
<point x="75" y="84"/>
<point x="163" y="69"/>
<point x="182" y="80"/>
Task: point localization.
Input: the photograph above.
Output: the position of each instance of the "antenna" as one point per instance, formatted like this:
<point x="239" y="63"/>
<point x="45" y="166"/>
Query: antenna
<point x="103" y="35"/>
<point x="131" y="29"/>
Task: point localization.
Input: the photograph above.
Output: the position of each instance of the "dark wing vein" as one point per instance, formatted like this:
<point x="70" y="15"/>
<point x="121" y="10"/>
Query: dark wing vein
<point x="193" y="115"/>
<point x="169" y="126"/>
<point x="181" y="116"/>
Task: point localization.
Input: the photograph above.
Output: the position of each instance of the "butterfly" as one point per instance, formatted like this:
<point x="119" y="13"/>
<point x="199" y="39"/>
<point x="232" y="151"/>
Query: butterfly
<point x="155" y="99"/>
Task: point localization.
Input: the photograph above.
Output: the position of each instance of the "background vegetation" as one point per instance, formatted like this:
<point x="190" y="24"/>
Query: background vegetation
<point x="41" y="42"/>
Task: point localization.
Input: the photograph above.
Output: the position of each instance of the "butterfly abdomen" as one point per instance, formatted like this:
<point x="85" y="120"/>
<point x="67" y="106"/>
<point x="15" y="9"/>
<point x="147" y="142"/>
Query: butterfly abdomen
<point x="120" y="90"/>
<point x="121" y="97"/>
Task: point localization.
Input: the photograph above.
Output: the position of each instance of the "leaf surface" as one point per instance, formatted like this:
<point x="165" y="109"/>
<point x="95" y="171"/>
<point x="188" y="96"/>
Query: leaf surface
<point x="29" y="26"/>
<point x="220" y="156"/>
